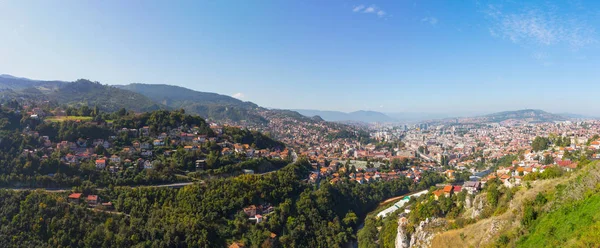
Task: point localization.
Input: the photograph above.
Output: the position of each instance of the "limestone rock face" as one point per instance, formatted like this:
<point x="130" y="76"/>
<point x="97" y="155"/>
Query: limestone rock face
<point x="474" y="206"/>
<point x="402" y="240"/>
<point x="423" y="234"/>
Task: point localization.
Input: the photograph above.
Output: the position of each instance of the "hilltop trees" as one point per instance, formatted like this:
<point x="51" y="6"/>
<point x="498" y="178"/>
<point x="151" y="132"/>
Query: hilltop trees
<point x="548" y="159"/>
<point x="540" y="144"/>
<point x="161" y="121"/>
<point x="254" y="138"/>
<point x="562" y="141"/>
<point x="400" y="164"/>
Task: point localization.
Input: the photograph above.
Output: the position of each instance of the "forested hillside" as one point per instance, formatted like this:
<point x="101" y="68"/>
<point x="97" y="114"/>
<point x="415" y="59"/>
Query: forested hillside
<point x="107" y="98"/>
<point x="201" y="215"/>
<point x="79" y="93"/>
<point x="15" y="83"/>
<point x="208" y="105"/>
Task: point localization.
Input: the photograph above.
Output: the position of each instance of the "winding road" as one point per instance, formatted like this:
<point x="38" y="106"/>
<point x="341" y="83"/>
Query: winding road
<point x="58" y="190"/>
<point x="169" y="185"/>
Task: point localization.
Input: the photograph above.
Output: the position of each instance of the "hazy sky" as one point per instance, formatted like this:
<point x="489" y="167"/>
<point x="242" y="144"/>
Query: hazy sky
<point x="389" y="56"/>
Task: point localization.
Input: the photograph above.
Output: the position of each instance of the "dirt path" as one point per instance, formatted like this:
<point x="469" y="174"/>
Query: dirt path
<point x="109" y="212"/>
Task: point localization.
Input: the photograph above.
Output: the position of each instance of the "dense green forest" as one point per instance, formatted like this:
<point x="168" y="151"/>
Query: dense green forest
<point x="84" y="92"/>
<point x="200" y="215"/>
<point x="255" y="138"/>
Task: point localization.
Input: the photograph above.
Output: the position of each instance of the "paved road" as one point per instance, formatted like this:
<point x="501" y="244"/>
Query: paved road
<point x="170" y="185"/>
<point x="58" y="190"/>
<point x="425" y="157"/>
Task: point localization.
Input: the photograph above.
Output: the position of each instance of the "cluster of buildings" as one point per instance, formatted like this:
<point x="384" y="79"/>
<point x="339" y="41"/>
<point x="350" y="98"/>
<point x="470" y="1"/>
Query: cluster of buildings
<point x="358" y="171"/>
<point x="144" y="149"/>
<point x="91" y="200"/>
<point x="459" y="142"/>
<point x="257" y="213"/>
<point x="463" y="146"/>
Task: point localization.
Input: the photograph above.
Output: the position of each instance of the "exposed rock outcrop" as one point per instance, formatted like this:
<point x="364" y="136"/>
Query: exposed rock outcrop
<point x="474" y="206"/>
<point x="424" y="233"/>
<point x="402" y="240"/>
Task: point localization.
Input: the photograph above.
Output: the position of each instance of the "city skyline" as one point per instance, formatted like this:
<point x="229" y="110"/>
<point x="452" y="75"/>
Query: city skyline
<point x="431" y="57"/>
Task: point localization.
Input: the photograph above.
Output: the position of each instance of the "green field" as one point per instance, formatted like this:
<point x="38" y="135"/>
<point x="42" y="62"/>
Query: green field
<point x="68" y="118"/>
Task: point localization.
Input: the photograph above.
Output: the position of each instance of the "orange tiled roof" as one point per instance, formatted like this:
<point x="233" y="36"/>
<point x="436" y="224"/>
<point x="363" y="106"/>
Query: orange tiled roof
<point x="448" y="188"/>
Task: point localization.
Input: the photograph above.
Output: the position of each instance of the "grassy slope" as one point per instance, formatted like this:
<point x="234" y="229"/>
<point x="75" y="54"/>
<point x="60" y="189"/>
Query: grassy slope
<point x="68" y="118"/>
<point x="572" y="225"/>
<point x="569" y="205"/>
<point x="571" y="218"/>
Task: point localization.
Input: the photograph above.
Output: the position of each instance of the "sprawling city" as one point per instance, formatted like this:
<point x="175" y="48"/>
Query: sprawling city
<point x="299" y="124"/>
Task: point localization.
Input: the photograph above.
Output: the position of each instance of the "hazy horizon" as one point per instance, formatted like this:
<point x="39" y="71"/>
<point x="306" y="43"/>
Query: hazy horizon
<point x="419" y="57"/>
<point x="434" y="114"/>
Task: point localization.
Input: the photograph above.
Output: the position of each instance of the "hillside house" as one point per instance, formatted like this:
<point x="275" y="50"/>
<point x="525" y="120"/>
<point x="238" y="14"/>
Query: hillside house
<point x="145" y="131"/>
<point x="472" y="187"/>
<point x="448" y="189"/>
<point x="251" y="210"/>
<point x="92" y="200"/>
<point x="146" y="153"/>
<point x="100" y="163"/>
<point x="145" y="146"/>
<point x="147" y="164"/>
<point x="74" y="198"/>
<point x="258" y="218"/>
<point x="437" y="194"/>
<point x="115" y="159"/>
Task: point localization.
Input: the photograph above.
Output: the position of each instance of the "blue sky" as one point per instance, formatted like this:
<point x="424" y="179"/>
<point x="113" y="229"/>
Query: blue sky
<point x="389" y="56"/>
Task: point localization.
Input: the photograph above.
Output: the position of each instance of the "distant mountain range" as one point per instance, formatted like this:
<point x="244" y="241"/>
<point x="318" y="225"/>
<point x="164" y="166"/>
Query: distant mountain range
<point x="338" y="116"/>
<point x="208" y="105"/>
<point x="529" y="115"/>
<point x="8" y="82"/>
<point x="524" y="115"/>
<point x="373" y="116"/>
<point x="577" y="116"/>
<point x="80" y="92"/>
<point x="143" y="97"/>
<point x="411" y="117"/>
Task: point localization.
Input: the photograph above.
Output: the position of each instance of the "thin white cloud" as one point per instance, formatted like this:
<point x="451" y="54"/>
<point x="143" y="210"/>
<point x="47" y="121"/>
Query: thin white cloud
<point x="542" y="27"/>
<point x="358" y="8"/>
<point x="238" y="95"/>
<point x="371" y="9"/>
<point x="431" y="20"/>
